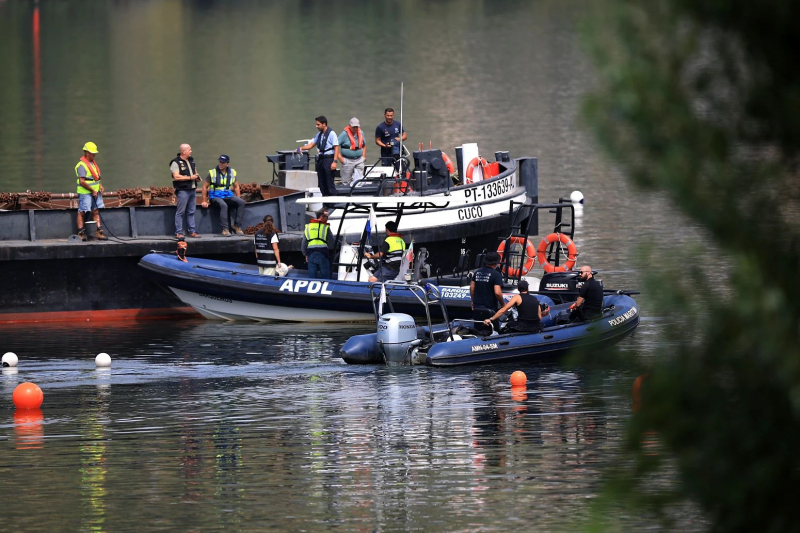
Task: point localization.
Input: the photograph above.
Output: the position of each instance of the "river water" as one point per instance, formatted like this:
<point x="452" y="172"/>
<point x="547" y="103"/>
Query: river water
<point x="202" y="426"/>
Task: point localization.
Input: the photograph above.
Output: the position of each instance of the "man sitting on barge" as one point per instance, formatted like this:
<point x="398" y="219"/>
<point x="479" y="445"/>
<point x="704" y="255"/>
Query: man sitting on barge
<point x="222" y="189"/>
<point x="90" y="190"/>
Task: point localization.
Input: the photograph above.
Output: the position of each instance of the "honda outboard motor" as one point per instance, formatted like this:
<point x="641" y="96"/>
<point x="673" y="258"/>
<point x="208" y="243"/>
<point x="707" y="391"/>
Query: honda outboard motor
<point x="397" y="335"/>
<point x="562" y="287"/>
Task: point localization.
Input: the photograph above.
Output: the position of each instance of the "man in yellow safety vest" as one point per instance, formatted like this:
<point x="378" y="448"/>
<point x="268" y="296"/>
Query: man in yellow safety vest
<point x="90" y="190"/>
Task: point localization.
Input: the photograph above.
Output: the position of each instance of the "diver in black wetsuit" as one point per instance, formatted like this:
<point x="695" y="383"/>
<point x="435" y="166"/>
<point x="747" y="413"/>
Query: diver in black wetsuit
<point x="529" y="319"/>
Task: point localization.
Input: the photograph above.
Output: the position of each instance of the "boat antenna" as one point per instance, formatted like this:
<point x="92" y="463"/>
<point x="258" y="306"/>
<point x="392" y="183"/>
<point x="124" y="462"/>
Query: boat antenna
<point x="401" y="131"/>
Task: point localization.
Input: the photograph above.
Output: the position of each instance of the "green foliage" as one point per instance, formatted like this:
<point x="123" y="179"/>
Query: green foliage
<point x="702" y="100"/>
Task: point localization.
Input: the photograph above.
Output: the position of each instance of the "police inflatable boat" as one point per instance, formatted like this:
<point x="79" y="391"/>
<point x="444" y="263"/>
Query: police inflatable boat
<point x="399" y="340"/>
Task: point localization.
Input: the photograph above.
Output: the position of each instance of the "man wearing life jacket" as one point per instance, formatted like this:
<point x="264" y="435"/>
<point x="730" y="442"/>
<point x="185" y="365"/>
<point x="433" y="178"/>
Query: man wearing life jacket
<point x="327" y="143"/>
<point x="316" y="246"/>
<point x="391" y="254"/>
<point x="90" y="190"/>
<point x="353" y="151"/>
<point x="529" y="312"/>
<point x="184" y="181"/>
<point x="223" y="190"/>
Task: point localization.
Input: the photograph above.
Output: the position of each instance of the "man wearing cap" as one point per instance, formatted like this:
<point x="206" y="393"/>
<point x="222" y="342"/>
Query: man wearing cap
<point x="391" y="254"/>
<point x="90" y="190"/>
<point x="529" y="312"/>
<point x="353" y="151"/>
<point x="223" y="190"/>
<point x="184" y="181"/>
<point x="316" y="245"/>
<point x="327" y="143"/>
<point x="486" y="290"/>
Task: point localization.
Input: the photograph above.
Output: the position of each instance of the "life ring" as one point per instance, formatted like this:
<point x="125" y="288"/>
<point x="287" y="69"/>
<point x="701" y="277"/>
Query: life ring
<point x="572" y="252"/>
<point x="471" y="167"/>
<point x="530" y="252"/>
<point x="451" y="168"/>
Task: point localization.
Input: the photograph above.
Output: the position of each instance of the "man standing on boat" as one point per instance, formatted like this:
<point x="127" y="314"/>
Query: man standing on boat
<point x="387" y="136"/>
<point x="316" y="246"/>
<point x="353" y="151"/>
<point x="223" y="190"/>
<point x="391" y="254"/>
<point x="589" y="304"/>
<point x="327" y="143"/>
<point x="529" y="312"/>
<point x="90" y="190"/>
<point x="184" y="181"/>
<point x="486" y="290"/>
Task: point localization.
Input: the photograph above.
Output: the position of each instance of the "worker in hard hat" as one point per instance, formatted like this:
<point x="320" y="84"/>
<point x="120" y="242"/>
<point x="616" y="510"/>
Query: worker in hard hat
<point x="90" y="190"/>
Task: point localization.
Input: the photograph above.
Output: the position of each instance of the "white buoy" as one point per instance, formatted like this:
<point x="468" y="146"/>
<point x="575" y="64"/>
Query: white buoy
<point x="10" y="359"/>
<point x="103" y="360"/>
<point x="576" y="197"/>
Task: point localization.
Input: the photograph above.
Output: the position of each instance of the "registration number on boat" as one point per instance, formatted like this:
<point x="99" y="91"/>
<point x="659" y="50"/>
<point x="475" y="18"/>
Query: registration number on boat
<point x="484" y="347"/>
<point x="490" y="190"/>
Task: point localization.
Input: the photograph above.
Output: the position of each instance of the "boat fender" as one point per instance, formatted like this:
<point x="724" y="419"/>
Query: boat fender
<point x="530" y="253"/>
<point x="451" y="168"/>
<point x="572" y="252"/>
<point x="181" y="251"/>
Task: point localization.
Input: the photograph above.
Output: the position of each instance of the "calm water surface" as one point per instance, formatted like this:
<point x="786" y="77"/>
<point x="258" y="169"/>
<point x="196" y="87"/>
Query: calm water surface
<point x="200" y="426"/>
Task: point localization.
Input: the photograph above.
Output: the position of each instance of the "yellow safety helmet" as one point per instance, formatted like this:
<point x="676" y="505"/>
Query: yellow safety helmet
<point x="90" y="147"/>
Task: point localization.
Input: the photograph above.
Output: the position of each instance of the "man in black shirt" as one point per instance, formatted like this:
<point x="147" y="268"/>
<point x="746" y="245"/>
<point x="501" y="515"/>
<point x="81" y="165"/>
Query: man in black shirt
<point x="486" y="291"/>
<point x="590" y="298"/>
<point x="529" y="319"/>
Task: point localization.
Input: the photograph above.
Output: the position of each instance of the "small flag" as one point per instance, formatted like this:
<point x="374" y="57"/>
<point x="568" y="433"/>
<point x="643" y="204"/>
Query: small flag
<point x="405" y="264"/>
<point x="372" y="222"/>
<point x="382" y="299"/>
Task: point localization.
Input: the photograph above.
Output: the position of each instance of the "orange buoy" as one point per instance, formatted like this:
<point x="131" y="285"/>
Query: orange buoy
<point x="28" y="396"/>
<point x="530" y="252"/>
<point x="572" y="252"/>
<point x="451" y="168"/>
<point x="518" y="378"/>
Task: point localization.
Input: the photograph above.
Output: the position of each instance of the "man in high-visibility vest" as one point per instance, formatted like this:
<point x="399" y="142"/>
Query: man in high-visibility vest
<point x="316" y="246"/>
<point x="391" y="254"/>
<point x="222" y="189"/>
<point x="90" y="190"/>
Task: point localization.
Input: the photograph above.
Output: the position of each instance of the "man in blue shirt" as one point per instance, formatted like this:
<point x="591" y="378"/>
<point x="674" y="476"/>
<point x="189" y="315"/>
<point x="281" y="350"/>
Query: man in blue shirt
<point x="327" y="143"/>
<point x="387" y="136"/>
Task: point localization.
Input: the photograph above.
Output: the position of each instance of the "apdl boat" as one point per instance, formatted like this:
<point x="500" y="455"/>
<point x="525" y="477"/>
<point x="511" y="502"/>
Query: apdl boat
<point x="399" y="340"/>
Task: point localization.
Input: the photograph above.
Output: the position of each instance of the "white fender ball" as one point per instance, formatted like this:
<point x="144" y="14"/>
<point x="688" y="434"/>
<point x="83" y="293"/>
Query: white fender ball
<point x="10" y="359"/>
<point x="576" y="197"/>
<point x="103" y="360"/>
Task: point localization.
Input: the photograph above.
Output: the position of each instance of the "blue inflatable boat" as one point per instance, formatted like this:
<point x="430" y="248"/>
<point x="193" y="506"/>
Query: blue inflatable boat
<point x="399" y="340"/>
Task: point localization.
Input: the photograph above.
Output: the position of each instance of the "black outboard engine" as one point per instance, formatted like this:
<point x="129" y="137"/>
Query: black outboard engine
<point x="562" y="287"/>
<point x="431" y="161"/>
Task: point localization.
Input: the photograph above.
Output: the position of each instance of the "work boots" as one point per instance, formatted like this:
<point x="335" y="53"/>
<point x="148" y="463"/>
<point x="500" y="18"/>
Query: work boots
<point x="238" y="230"/>
<point x="100" y="235"/>
<point x="225" y="232"/>
<point x="82" y="234"/>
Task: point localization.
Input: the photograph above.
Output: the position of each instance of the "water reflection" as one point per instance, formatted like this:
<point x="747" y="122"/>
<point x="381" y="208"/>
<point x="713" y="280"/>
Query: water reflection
<point x="29" y="429"/>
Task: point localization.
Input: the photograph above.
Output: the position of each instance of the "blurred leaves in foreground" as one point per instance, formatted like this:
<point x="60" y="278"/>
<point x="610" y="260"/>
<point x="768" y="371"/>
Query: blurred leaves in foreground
<point x="702" y="100"/>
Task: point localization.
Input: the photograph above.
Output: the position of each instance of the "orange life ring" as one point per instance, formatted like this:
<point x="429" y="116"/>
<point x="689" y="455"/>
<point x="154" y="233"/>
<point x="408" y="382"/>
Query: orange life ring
<point x="530" y="252"/>
<point x="451" y="168"/>
<point x="471" y="167"/>
<point x="572" y="252"/>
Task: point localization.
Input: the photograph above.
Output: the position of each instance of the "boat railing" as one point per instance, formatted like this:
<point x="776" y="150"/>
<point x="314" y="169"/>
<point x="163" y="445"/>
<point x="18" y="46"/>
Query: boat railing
<point x="426" y="294"/>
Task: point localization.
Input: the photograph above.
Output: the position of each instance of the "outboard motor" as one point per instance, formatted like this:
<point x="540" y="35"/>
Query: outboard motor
<point x="562" y="287"/>
<point x="397" y="335"/>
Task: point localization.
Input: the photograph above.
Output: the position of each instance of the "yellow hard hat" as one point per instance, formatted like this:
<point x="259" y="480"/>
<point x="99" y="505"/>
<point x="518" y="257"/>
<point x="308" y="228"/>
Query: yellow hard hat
<point x="90" y="147"/>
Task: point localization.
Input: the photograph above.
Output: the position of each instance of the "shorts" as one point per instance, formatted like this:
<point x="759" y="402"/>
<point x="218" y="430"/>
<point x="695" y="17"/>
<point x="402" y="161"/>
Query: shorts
<point x="85" y="202"/>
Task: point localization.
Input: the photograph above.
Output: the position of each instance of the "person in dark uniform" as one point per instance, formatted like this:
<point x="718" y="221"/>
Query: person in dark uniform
<point x="387" y="136"/>
<point x="327" y="143"/>
<point x="529" y="319"/>
<point x="486" y="291"/>
<point x="268" y="255"/>
<point x="391" y="254"/>
<point x="590" y="298"/>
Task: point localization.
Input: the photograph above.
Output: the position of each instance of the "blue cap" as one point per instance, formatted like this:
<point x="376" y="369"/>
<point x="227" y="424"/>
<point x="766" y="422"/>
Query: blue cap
<point x="224" y="159"/>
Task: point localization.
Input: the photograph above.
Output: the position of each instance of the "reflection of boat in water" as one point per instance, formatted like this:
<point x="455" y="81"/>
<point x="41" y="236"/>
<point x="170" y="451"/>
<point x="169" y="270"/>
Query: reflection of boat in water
<point x="399" y="340"/>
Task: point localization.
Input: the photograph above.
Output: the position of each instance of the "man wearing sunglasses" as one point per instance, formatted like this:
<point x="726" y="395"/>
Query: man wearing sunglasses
<point x="590" y="298"/>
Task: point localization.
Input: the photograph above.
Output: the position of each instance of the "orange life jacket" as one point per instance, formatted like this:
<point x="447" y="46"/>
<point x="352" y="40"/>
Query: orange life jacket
<point x="93" y="168"/>
<point x="353" y="144"/>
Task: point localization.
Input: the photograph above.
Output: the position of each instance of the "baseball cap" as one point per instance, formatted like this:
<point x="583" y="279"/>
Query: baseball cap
<point x="522" y="285"/>
<point x="224" y="159"/>
<point x="354" y="122"/>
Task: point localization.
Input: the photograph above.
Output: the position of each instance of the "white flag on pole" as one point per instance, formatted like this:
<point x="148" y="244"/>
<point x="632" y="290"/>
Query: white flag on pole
<point x="372" y="222"/>
<point x="382" y="299"/>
